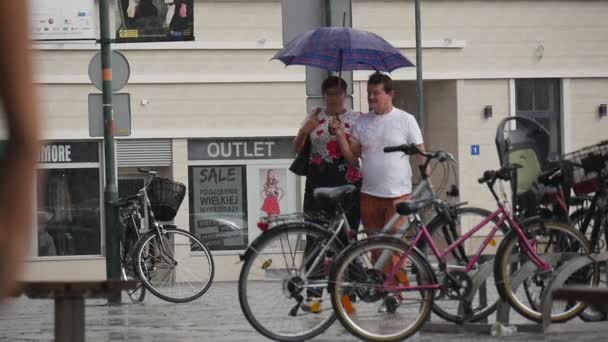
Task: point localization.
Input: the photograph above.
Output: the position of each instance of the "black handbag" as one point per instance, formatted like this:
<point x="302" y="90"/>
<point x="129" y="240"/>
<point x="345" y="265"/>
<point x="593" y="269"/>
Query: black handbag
<point x="299" y="166"/>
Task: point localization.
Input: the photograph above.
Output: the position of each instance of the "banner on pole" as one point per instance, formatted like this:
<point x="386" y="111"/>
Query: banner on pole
<point x="154" y="20"/>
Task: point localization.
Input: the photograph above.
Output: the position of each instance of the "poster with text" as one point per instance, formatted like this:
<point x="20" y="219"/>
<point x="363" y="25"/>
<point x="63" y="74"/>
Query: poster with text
<point x="218" y="198"/>
<point x="273" y="183"/>
<point x="154" y="20"/>
<point x="63" y="19"/>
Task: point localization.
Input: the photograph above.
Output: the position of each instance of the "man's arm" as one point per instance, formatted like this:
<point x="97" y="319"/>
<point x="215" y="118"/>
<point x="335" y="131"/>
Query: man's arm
<point x="17" y="168"/>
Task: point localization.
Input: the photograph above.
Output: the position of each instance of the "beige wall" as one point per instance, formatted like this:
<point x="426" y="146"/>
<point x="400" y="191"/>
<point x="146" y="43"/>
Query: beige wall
<point x="65" y="268"/>
<point x="441" y="128"/>
<point x="501" y="36"/>
<point x="223" y="20"/>
<point x="223" y="84"/>
<point x="473" y="128"/>
<point x="441" y="116"/>
<point x="188" y="87"/>
<point x="583" y="122"/>
<point x="196" y="110"/>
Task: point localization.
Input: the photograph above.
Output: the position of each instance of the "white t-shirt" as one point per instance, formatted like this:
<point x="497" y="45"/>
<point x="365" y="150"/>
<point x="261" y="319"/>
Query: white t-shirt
<point x="386" y="175"/>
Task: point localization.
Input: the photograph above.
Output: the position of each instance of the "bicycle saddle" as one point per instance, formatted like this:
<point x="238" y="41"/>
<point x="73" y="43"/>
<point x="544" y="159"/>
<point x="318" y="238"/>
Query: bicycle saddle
<point x="412" y="206"/>
<point x="333" y="195"/>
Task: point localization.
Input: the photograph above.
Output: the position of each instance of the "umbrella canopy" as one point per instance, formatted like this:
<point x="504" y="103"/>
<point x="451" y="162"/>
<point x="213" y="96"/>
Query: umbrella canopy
<point x="337" y="48"/>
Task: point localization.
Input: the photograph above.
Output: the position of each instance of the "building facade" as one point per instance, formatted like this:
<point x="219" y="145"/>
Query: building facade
<point x="218" y="116"/>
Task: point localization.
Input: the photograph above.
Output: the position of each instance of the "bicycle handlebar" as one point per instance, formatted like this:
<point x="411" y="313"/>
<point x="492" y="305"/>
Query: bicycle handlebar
<point x="503" y="173"/>
<point x="150" y="172"/>
<point x="412" y="149"/>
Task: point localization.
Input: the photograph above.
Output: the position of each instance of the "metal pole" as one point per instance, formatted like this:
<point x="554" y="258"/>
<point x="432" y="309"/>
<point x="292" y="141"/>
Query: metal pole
<point x="111" y="183"/>
<point x="327" y="12"/>
<point x="419" y="83"/>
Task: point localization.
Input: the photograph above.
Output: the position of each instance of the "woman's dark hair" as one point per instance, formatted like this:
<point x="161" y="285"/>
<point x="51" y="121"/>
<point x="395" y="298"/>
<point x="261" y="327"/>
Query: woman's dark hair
<point x="333" y="82"/>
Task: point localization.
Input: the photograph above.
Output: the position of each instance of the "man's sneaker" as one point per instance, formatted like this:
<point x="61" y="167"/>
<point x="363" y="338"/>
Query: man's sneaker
<point x="390" y="304"/>
<point x="312" y="305"/>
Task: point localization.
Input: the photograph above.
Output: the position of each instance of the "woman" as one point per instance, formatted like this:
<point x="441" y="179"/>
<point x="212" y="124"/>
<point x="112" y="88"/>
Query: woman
<point x="327" y="166"/>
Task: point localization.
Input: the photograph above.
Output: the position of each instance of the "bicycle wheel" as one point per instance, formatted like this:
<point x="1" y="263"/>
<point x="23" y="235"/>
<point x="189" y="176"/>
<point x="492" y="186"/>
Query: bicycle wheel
<point x="597" y="236"/>
<point x="175" y="266"/>
<point x="444" y="233"/>
<point x="555" y="243"/>
<point x="128" y="271"/>
<point x="362" y="303"/>
<point x="273" y="285"/>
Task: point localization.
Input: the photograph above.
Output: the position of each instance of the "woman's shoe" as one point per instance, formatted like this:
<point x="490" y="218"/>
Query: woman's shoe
<point x="312" y="305"/>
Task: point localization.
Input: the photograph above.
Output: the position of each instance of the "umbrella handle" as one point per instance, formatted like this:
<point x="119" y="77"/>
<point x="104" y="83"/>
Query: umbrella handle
<point x="340" y="61"/>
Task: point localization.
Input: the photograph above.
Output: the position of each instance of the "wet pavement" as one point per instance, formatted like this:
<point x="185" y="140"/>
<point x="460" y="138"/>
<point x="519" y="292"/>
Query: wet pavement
<point x="217" y="316"/>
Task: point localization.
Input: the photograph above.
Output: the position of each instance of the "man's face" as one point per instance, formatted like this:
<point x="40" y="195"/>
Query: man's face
<point x="377" y="98"/>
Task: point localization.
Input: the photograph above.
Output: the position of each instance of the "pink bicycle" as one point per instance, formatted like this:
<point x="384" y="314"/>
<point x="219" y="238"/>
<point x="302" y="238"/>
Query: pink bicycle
<point x="387" y="299"/>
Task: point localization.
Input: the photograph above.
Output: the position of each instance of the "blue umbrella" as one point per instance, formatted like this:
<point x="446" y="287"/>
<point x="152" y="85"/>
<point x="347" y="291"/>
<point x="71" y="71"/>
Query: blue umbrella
<point x="339" y="49"/>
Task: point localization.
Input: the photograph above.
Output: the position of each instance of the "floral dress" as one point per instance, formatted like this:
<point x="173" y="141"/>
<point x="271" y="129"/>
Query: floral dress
<point x="327" y="166"/>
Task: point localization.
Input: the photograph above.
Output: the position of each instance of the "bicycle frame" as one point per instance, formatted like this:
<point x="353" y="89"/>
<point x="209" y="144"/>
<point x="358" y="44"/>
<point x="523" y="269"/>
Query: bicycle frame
<point x="424" y="186"/>
<point x="152" y="221"/>
<point x="341" y="223"/>
<point x="503" y="215"/>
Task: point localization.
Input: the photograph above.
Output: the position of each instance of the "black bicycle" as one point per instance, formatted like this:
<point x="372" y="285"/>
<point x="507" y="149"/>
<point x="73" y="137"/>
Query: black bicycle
<point x="590" y="183"/>
<point x="170" y="262"/>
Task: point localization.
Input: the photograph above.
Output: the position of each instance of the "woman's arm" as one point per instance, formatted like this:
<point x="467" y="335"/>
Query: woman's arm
<point x="309" y="125"/>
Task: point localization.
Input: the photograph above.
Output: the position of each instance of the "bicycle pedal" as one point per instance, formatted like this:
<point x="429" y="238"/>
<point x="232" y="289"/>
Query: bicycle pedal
<point x="389" y="305"/>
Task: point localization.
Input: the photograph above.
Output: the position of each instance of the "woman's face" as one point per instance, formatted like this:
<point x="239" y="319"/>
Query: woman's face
<point x="334" y="98"/>
<point x="270" y="174"/>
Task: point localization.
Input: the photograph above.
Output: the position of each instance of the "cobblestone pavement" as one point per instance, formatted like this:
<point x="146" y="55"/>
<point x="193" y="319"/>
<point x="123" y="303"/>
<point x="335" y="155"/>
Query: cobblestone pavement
<point x="216" y="317"/>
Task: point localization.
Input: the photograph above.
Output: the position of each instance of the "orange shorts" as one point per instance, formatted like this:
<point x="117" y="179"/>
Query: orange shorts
<point x="377" y="211"/>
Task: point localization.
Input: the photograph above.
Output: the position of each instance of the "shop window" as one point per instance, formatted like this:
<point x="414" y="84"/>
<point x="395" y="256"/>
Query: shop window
<point x="233" y="182"/>
<point x="69" y="215"/>
<point x="218" y="206"/>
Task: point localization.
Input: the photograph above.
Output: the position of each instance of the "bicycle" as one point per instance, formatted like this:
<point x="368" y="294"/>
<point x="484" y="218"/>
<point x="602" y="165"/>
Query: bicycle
<point x="157" y="253"/>
<point x="585" y="172"/>
<point x="275" y="264"/>
<point x="412" y="274"/>
<point x="446" y="225"/>
<point x="131" y="219"/>
<point x="590" y="179"/>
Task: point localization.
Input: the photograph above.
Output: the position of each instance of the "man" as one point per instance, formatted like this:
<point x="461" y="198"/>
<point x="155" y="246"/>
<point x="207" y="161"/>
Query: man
<point x="18" y="162"/>
<point x="387" y="177"/>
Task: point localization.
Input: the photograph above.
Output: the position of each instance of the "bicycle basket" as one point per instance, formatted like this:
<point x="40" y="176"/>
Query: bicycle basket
<point x="165" y="197"/>
<point x="590" y="163"/>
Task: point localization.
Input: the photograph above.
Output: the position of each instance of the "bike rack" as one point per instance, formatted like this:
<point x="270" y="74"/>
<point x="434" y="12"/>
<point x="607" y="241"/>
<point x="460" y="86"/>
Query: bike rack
<point x="503" y="309"/>
<point x="559" y="279"/>
<point x="479" y="283"/>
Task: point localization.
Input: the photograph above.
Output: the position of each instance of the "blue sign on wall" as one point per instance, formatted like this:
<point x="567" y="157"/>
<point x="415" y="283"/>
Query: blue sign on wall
<point x="474" y="150"/>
